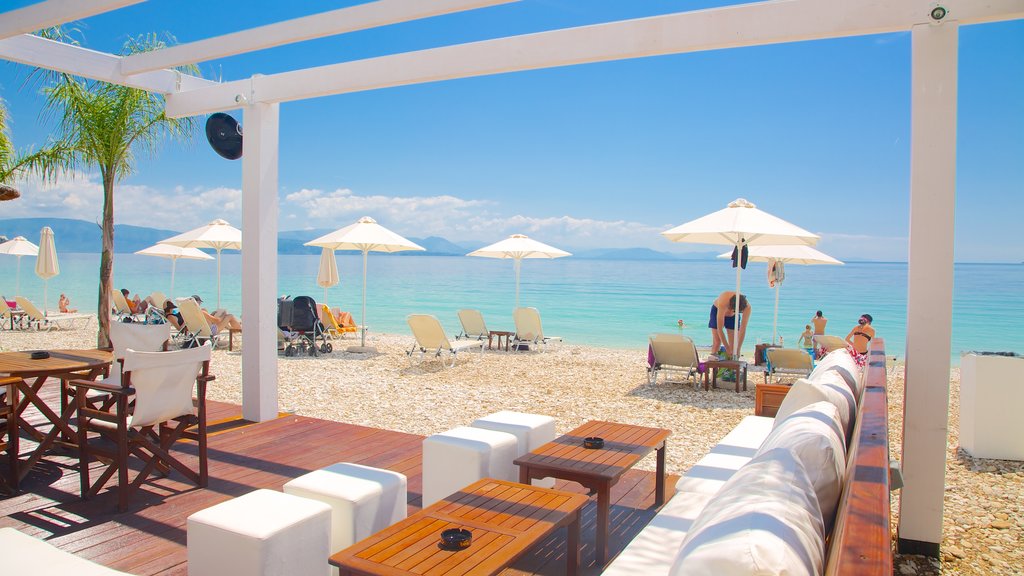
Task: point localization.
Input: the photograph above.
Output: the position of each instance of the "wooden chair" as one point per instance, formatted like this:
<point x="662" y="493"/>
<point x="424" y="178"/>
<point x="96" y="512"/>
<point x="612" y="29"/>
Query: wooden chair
<point x="9" y="430"/>
<point x="160" y="385"/>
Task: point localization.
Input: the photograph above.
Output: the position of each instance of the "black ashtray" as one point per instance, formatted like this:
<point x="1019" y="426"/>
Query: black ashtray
<point x="40" y="355"/>
<point x="456" y="538"/>
<point x="593" y="442"/>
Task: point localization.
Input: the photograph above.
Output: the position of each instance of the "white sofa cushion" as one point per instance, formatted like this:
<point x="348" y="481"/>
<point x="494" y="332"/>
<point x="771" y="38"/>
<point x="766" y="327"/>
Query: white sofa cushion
<point x="652" y="551"/>
<point x="23" y="554"/>
<point x="814" y="434"/>
<point x="711" y="472"/>
<point x="827" y="387"/>
<point x="840" y="361"/>
<point x="765" y="520"/>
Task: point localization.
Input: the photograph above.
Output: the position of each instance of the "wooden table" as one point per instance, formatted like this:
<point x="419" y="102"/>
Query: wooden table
<point x="499" y="334"/>
<point x="737" y="366"/>
<point x="505" y="518"/>
<point x="600" y="469"/>
<point x="86" y="364"/>
<point x="231" y="338"/>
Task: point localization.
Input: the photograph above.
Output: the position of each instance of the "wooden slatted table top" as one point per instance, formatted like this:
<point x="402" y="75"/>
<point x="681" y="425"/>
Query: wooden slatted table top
<point x="60" y="361"/>
<point x="505" y="518"/>
<point x="624" y="446"/>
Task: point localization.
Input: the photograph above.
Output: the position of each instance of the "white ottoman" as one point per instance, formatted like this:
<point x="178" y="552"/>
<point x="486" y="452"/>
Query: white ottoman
<point x="455" y="459"/>
<point x="263" y="532"/>
<point x="363" y="500"/>
<point x="531" y="431"/>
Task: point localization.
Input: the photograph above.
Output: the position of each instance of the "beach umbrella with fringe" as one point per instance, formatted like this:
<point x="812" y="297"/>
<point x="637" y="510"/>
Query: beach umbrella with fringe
<point x="327" y="275"/>
<point x="46" y="262"/>
<point x="19" y="246"/>
<point x="218" y="235"/>
<point x="740" y="225"/>
<point x="777" y="257"/>
<point x="174" y="253"/>
<point x="517" y="247"/>
<point x="365" y="236"/>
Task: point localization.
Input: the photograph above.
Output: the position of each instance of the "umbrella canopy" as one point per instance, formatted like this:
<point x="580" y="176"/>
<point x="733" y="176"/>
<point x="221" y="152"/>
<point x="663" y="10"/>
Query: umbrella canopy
<point x="517" y="247"/>
<point x="366" y="236"/>
<point x="740" y="224"/>
<point x="792" y="254"/>
<point x="218" y="235"/>
<point x="174" y="253"/>
<point x="327" y="275"/>
<point x="19" y="246"/>
<point x="46" y="263"/>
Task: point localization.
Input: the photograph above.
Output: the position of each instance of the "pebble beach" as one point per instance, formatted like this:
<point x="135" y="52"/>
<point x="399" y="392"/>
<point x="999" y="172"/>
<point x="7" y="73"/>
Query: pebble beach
<point x="984" y="505"/>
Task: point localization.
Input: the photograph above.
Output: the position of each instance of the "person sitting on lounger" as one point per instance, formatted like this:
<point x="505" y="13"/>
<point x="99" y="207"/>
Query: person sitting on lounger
<point x="219" y="319"/>
<point x="64" y="305"/>
<point x="344" y="319"/>
<point x="136" y="304"/>
<point x="172" y="315"/>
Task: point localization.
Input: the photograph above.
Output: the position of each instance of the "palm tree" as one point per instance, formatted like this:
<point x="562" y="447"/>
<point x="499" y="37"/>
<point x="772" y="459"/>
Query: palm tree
<point x="103" y="126"/>
<point x="46" y="162"/>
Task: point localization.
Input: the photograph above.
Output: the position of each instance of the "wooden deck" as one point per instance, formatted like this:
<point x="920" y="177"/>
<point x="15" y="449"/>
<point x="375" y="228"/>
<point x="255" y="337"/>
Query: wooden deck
<point x="150" y="537"/>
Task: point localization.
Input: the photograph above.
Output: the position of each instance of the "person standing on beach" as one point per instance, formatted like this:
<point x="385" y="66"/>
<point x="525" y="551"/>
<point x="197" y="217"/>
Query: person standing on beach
<point x="819" y="322"/>
<point x="723" y="321"/>
<point x="861" y="335"/>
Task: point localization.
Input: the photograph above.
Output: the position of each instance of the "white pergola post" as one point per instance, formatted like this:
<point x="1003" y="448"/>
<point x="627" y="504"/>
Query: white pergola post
<point x="259" y="262"/>
<point x="929" y="284"/>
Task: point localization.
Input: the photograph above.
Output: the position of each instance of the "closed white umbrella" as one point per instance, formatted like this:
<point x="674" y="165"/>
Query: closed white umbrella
<point x="740" y="224"/>
<point x="517" y="247"/>
<point x="46" y="263"/>
<point x="218" y="235"/>
<point x="19" y="247"/>
<point x="174" y="253"/>
<point x="366" y="236"/>
<point x="327" y="276"/>
<point x="776" y="257"/>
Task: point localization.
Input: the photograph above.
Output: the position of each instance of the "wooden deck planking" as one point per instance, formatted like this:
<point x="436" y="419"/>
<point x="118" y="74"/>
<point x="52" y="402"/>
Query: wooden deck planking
<point x="244" y="456"/>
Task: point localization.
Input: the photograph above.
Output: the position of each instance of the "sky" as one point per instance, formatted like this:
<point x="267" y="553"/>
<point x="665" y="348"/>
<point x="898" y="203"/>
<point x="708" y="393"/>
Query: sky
<point x="592" y="156"/>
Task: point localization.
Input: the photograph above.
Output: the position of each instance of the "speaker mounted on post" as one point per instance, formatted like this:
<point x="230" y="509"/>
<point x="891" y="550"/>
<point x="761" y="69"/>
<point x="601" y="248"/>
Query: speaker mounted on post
<point x="225" y="135"/>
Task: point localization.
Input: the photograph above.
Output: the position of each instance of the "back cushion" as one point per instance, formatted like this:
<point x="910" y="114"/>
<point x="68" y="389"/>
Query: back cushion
<point x="840" y="361"/>
<point x="815" y="435"/>
<point x="827" y="387"/>
<point x="764" y="521"/>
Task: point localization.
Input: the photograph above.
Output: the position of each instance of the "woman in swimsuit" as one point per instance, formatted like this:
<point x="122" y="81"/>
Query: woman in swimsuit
<point x="723" y="321"/>
<point x="861" y="335"/>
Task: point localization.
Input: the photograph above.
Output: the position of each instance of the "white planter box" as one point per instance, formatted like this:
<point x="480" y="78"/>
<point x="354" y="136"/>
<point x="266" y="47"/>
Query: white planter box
<point x="992" y="406"/>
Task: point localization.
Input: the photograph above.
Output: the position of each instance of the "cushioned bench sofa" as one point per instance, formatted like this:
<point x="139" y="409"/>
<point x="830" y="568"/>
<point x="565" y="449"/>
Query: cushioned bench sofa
<point x="806" y="492"/>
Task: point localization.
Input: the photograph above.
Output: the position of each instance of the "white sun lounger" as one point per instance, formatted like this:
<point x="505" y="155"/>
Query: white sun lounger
<point x="472" y="325"/>
<point x="673" y="352"/>
<point x="199" y="330"/>
<point x="121" y="308"/>
<point x="48" y="321"/>
<point x="430" y="338"/>
<point x="529" y="329"/>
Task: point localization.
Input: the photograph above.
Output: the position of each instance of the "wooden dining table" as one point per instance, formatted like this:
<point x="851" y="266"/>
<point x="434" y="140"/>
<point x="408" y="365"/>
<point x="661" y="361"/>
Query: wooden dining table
<point x="33" y="373"/>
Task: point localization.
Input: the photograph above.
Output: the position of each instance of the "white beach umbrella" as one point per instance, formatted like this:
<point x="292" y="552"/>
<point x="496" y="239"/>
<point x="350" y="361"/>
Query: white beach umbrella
<point x="174" y="253"/>
<point x="46" y="263"/>
<point x="218" y="235"/>
<point x="517" y="247"/>
<point x="366" y="236"/>
<point x="19" y="247"/>
<point x="327" y="275"/>
<point x="781" y="255"/>
<point x="740" y="224"/>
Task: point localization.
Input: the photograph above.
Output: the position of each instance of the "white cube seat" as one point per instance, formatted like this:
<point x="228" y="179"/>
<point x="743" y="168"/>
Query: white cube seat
<point x="455" y="459"/>
<point x="531" y="431"/>
<point x="363" y="500"/>
<point x="264" y="533"/>
<point x="23" y="554"/>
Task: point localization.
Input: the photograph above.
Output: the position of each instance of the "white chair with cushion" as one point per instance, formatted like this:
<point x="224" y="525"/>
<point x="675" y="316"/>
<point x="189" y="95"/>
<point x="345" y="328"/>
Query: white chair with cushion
<point x="455" y="459"/>
<point x="531" y="431"/>
<point x="262" y="533"/>
<point x="363" y="500"/>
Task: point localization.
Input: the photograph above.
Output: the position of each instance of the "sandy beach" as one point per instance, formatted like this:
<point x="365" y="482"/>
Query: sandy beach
<point x="984" y="503"/>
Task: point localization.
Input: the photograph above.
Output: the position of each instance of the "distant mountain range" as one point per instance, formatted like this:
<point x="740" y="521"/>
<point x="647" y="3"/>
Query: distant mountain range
<point x="82" y="236"/>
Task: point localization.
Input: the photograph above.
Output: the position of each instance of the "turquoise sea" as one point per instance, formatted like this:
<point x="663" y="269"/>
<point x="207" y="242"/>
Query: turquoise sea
<point x="608" y="303"/>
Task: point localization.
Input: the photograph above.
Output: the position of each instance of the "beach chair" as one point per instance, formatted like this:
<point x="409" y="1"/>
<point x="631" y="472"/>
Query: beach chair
<point x="334" y="330"/>
<point x="199" y="330"/>
<point x="121" y="308"/>
<point x="9" y="316"/>
<point x="123" y="335"/>
<point x="781" y="362"/>
<point x="162" y="385"/>
<point x="47" y="321"/>
<point x="472" y="325"/>
<point x="673" y="352"/>
<point x="826" y="343"/>
<point x="529" y="330"/>
<point x="157" y="299"/>
<point x="430" y="338"/>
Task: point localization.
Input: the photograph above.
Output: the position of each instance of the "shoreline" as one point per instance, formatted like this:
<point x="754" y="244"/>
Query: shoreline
<point x="984" y="504"/>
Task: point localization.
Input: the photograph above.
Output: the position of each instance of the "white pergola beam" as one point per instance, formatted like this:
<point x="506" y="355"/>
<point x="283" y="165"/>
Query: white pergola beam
<point x="343" y="20"/>
<point x="54" y="12"/>
<point x="43" y="53"/>
<point x="718" y="28"/>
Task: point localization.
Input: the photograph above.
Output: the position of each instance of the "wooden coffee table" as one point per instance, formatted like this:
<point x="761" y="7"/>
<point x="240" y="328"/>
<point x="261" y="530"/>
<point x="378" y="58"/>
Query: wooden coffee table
<point x="713" y="366"/>
<point x="598" y="469"/>
<point x="505" y="518"/>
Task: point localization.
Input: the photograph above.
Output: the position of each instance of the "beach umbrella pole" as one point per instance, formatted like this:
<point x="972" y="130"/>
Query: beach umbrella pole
<point x="218" y="278"/>
<point x="739" y="313"/>
<point x="174" y="263"/>
<point x="518" y="265"/>
<point x="775" y="319"/>
<point x="46" y="285"/>
<point x="17" y="279"/>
